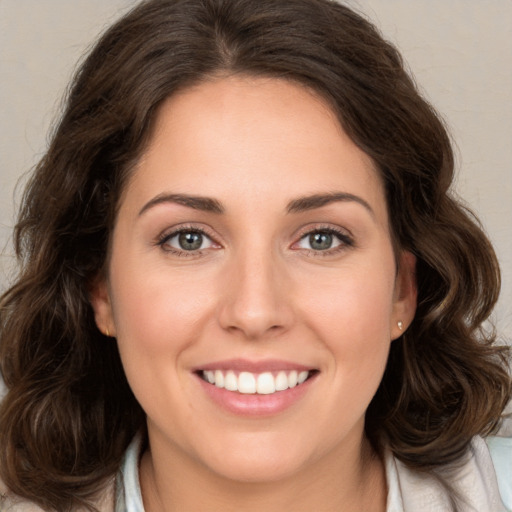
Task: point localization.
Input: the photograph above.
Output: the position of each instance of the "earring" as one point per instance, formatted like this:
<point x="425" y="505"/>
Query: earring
<point x="400" y="325"/>
<point x="107" y="333"/>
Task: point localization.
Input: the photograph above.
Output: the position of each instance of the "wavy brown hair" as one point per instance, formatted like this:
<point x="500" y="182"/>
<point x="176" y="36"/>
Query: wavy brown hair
<point x="69" y="413"/>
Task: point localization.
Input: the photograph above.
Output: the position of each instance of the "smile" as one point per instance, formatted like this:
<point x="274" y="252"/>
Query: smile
<point x="249" y="383"/>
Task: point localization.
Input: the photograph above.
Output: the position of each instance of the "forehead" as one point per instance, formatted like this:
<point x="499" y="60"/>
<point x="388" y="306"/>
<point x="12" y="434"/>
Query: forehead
<point x="228" y="136"/>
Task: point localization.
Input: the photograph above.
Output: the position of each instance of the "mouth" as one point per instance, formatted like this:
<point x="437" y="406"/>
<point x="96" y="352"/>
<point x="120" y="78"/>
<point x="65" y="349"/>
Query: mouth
<point x="256" y="389"/>
<point x="250" y="383"/>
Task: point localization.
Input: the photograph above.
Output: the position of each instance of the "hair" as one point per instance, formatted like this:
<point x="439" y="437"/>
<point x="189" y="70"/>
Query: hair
<point x="69" y="413"/>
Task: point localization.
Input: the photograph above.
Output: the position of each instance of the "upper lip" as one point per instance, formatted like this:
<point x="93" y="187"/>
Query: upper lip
<point x="245" y="365"/>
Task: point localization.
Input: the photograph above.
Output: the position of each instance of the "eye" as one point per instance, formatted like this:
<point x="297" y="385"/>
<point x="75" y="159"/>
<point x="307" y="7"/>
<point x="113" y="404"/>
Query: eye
<point x="324" y="240"/>
<point x="187" y="241"/>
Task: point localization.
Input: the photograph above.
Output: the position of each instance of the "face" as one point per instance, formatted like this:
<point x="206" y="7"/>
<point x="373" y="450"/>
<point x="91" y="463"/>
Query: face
<point x="252" y="284"/>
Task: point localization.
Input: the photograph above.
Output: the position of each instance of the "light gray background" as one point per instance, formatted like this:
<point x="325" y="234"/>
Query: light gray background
<point x="460" y="52"/>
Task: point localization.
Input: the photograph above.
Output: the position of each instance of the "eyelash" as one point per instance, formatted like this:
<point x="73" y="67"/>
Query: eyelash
<point x="166" y="237"/>
<point x="346" y="241"/>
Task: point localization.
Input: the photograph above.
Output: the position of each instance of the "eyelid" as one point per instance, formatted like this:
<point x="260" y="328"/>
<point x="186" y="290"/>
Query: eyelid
<point x="343" y="235"/>
<point x="169" y="233"/>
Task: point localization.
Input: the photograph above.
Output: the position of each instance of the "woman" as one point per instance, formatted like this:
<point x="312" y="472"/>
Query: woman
<point x="244" y="284"/>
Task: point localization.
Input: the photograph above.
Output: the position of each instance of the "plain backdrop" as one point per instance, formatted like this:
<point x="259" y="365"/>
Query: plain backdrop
<point x="460" y="52"/>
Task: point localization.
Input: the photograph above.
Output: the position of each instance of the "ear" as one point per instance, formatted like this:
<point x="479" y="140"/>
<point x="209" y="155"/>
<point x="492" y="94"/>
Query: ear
<point x="405" y="295"/>
<point x="99" y="297"/>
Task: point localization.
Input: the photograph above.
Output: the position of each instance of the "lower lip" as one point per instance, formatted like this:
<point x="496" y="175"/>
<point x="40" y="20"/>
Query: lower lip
<point x="256" y="405"/>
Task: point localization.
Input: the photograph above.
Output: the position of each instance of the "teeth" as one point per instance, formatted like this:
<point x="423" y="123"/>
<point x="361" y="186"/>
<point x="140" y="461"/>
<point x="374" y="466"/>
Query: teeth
<point x="218" y="379"/>
<point x="281" y="381"/>
<point x="246" y="383"/>
<point x="249" y="383"/>
<point x="265" y="385"/>
<point x="302" y="377"/>
<point x="230" y="382"/>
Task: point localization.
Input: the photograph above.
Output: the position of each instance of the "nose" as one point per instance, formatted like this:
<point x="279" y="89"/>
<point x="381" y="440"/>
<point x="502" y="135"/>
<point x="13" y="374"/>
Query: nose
<point x="256" y="297"/>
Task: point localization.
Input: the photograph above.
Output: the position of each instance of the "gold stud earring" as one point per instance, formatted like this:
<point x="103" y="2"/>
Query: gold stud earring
<point x="107" y="333"/>
<point x="400" y="325"/>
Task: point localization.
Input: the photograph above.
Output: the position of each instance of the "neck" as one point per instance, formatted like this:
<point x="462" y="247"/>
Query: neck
<point x="342" y="483"/>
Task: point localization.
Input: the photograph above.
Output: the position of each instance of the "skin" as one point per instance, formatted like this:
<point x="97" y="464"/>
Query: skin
<point x="256" y="290"/>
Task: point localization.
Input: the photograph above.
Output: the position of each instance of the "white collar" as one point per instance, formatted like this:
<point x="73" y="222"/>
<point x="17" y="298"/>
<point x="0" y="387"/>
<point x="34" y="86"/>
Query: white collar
<point x="408" y="490"/>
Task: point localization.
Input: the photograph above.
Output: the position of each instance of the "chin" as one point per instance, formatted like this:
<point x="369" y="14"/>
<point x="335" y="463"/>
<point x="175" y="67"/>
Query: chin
<point x="257" y="470"/>
<point x="256" y="462"/>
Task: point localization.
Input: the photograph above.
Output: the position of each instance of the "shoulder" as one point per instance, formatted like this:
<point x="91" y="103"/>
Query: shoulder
<point x="500" y="448"/>
<point x="482" y="481"/>
<point x="129" y="496"/>
<point x="12" y="503"/>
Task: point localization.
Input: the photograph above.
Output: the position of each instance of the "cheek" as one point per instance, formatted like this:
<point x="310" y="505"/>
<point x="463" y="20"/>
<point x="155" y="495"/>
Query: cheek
<point x="350" y="315"/>
<point x="158" y="310"/>
<point x="355" y="303"/>
<point x="157" y="319"/>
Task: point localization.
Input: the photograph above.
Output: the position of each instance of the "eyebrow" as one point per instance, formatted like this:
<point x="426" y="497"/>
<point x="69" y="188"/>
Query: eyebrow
<point x="298" y="205"/>
<point x="204" y="204"/>
<point x="318" y="200"/>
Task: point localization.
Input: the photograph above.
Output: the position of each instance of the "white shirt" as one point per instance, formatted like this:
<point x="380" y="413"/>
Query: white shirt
<point x="408" y="491"/>
<point x="484" y="476"/>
